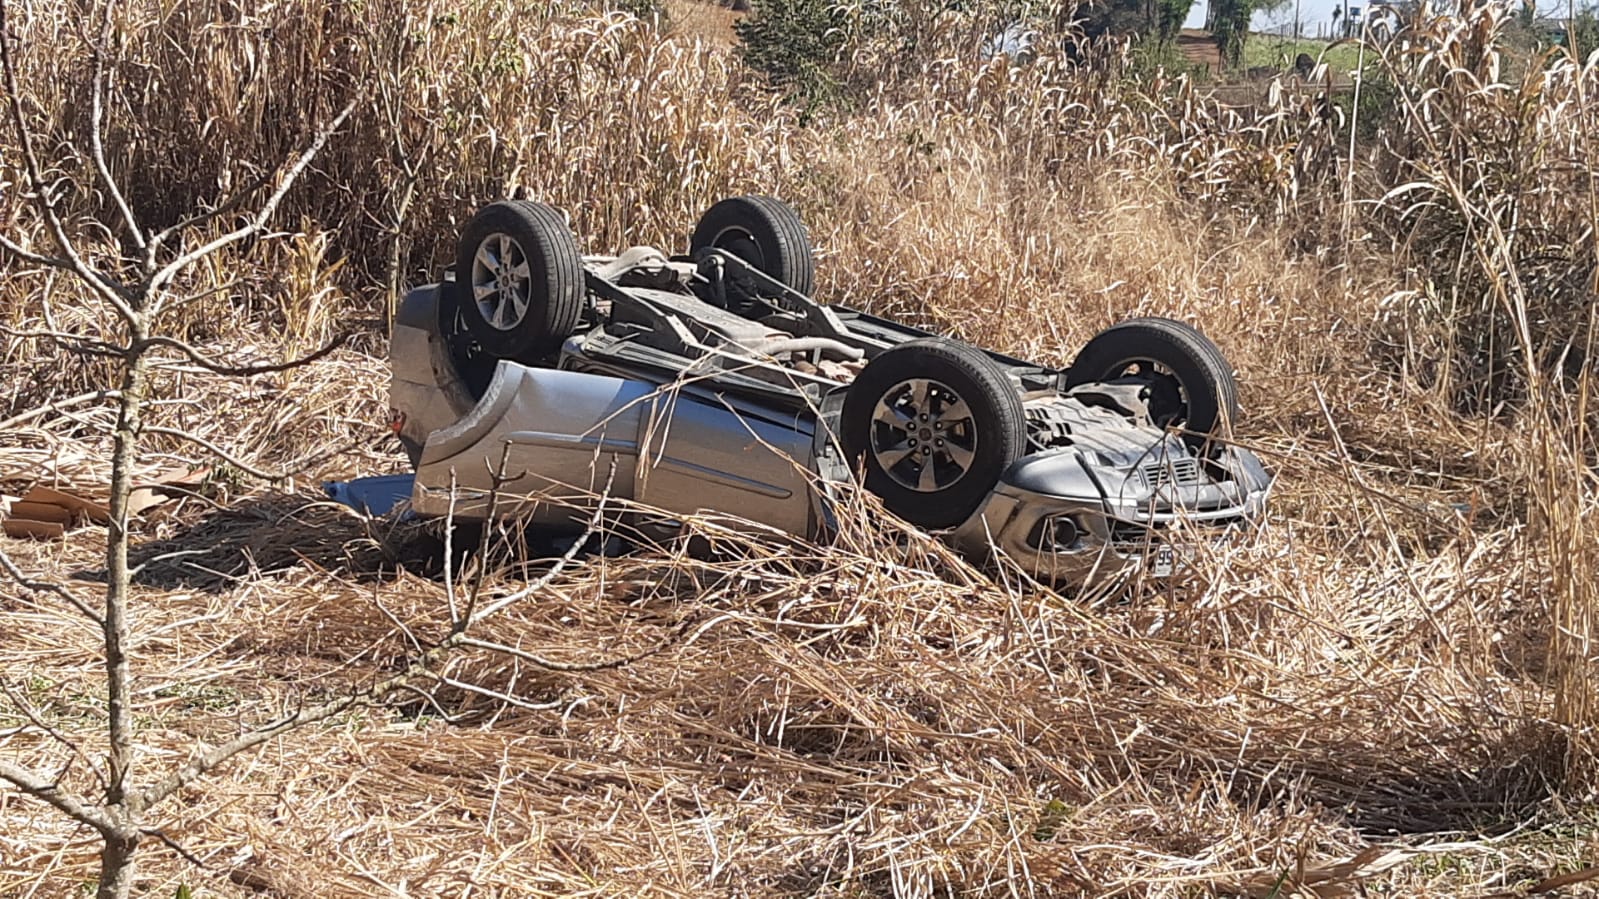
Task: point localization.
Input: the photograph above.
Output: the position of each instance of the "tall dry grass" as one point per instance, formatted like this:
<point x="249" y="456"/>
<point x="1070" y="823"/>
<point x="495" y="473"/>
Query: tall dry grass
<point x="1400" y="651"/>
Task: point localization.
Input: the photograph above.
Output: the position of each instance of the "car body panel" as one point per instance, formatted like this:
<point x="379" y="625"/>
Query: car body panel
<point x="564" y="438"/>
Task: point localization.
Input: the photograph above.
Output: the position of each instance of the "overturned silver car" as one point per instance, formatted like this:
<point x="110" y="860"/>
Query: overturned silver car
<point x="713" y="381"/>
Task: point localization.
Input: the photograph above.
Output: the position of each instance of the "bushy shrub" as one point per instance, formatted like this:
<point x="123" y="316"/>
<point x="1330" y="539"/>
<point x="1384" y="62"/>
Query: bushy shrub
<point x="797" y="44"/>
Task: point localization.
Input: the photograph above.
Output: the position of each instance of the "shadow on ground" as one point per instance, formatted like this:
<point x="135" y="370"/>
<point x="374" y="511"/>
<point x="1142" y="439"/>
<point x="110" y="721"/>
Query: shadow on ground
<point x="1518" y="774"/>
<point x="274" y="533"/>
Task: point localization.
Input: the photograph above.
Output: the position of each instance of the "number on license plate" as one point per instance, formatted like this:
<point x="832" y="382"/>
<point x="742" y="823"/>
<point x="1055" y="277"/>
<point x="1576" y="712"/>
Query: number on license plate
<point x="1163" y="559"/>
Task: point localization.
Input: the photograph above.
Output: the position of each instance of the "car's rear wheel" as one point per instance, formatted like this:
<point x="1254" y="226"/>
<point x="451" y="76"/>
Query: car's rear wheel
<point x="519" y="279"/>
<point x="934" y="423"/>
<point x="763" y="231"/>
<point x="1192" y="383"/>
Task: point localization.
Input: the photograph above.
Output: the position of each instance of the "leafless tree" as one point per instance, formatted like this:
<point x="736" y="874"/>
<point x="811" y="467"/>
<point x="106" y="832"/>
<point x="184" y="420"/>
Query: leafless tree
<point x="137" y="292"/>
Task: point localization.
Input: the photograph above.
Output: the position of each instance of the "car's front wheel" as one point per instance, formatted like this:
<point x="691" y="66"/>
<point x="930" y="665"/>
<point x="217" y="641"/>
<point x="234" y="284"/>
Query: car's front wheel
<point x="934" y="423"/>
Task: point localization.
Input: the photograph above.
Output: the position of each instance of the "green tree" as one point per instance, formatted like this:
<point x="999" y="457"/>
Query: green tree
<point x="1172" y="15"/>
<point x="1581" y="34"/>
<point x="1532" y="33"/>
<point x="1114" y="17"/>
<point x="796" y="43"/>
<point x="1229" y="25"/>
<point x="823" y="50"/>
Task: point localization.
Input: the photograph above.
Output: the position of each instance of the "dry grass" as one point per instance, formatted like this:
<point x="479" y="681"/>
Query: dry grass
<point x="1372" y="669"/>
<point x="703" y="20"/>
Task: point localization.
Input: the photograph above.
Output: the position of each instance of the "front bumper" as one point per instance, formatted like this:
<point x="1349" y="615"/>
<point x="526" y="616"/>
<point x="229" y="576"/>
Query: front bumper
<point x="1066" y="519"/>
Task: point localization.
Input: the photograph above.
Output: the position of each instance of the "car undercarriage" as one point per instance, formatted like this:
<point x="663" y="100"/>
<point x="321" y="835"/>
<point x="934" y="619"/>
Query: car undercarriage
<point x="714" y="381"/>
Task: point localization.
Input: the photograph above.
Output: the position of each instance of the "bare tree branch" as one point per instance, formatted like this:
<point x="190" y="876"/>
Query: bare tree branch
<point x="197" y="767"/>
<point x="97" y="130"/>
<point x="224" y="455"/>
<point x="498" y="479"/>
<point x="174" y="845"/>
<point x="161" y="278"/>
<point x="402" y="627"/>
<point x="33" y="716"/>
<point x="57" y="406"/>
<point x="68" y="804"/>
<point x="35" y="586"/>
<point x="26" y="255"/>
<point x="543" y="580"/>
<point x="75" y="343"/>
<point x="226" y="206"/>
<point x="428" y="698"/>
<point x="112" y="292"/>
<point x="555" y="570"/>
<point x="495" y="695"/>
<point x="245" y="371"/>
<point x="422" y="667"/>
<point x="181" y="302"/>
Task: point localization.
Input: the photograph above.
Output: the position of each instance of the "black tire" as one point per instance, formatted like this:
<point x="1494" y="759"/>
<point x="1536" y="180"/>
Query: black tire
<point x="990" y="436"/>
<point x="1208" y="395"/>
<point x="551" y="292"/>
<point x="763" y="231"/>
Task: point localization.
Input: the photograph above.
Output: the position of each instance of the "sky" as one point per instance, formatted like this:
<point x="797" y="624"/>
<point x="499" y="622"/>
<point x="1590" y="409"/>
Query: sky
<point x="1314" y="13"/>
<point x="1311" y="13"/>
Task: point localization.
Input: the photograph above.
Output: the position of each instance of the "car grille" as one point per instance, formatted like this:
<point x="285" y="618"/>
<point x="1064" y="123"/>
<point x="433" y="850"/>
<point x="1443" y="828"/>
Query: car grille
<point x="1172" y="471"/>
<point x="1131" y="534"/>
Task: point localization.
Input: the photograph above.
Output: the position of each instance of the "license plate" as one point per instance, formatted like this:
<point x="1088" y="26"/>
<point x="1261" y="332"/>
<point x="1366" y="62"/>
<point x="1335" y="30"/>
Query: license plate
<point x="1164" y="559"/>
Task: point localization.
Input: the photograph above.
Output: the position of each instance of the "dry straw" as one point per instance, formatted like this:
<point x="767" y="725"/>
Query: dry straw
<point x="1372" y="670"/>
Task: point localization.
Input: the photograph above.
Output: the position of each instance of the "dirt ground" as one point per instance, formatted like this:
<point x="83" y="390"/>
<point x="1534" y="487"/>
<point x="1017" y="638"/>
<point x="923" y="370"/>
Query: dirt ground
<point x="1199" y="48"/>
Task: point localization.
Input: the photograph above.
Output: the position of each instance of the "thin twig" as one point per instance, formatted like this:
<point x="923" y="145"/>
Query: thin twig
<point x="172" y="844"/>
<point x="456" y="621"/>
<point x="36" y="586"/>
<point x="97" y="129"/>
<point x="161" y="278"/>
<point x="57" y="406"/>
<point x="246" y="371"/>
